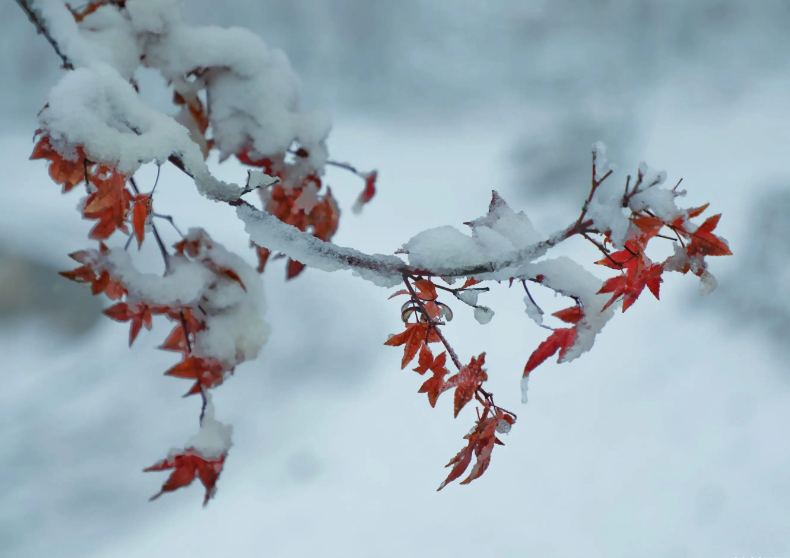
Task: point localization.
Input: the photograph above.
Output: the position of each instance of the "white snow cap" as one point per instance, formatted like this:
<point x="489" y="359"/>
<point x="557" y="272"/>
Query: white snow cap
<point x="214" y="439"/>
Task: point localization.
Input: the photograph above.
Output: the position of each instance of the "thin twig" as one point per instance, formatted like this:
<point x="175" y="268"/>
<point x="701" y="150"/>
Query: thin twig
<point x="42" y="30"/>
<point x="158" y="238"/>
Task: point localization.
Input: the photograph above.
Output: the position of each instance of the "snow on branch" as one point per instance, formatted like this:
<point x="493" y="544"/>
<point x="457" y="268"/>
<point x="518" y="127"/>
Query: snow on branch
<point x="96" y="129"/>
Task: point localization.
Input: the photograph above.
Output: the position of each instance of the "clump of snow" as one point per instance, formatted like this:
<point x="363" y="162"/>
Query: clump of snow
<point x="268" y="231"/>
<point x="183" y="286"/>
<point x="501" y="237"/>
<point x="468" y="297"/>
<point x="659" y="200"/>
<point x="516" y="227"/>
<point x="214" y="439"/>
<point x="235" y="330"/>
<point x="707" y="283"/>
<point x="503" y="426"/>
<point x="483" y="314"/>
<point x="524" y="388"/>
<point x="258" y="179"/>
<point x="599" y="159"/>
<point x="607" y="214"/>
<point x="535" y="314"/>
<point x="308" y="199"/>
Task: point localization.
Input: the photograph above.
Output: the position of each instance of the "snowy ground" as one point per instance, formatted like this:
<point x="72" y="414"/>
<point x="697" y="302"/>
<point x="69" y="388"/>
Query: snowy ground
<point x="668" y="439"/>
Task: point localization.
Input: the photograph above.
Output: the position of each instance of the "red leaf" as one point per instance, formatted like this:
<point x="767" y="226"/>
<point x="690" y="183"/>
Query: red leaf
<point x="466" y="382"/>
<point x="415" y="335"/>
<point x="393" y="295"/>
<point x="294" y="269"/>
<point x="561" y="340"/>
<point x="119" y="312"/>
<point x="481" y="443"/>
<point x="187" y="466"/>
<point x="426" y="290"/>
<point x="263" y="256"/>
<point x="370" y="187"/>
<point x="230" y="274"/>
<point x="142" y="208"/>
<point x="207" y="373"/>
<point x="705" y="243"/>
<point x="570" y="315"/>
<point x="470" y="282"/>
<point x="697" y="211"/>
<point x="62" y="171"/>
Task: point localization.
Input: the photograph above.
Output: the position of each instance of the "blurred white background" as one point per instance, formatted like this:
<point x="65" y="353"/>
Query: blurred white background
<point x="668" y="440"/>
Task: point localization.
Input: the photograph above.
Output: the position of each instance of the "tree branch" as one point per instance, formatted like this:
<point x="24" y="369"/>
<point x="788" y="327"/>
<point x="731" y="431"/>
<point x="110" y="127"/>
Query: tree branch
<point x="42" y="30"/>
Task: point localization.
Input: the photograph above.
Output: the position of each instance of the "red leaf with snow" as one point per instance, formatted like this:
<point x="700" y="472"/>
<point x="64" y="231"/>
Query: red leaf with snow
<point x="560" y="340"/>
<point x="187" y="466"/>
<point x="466" y="382"/>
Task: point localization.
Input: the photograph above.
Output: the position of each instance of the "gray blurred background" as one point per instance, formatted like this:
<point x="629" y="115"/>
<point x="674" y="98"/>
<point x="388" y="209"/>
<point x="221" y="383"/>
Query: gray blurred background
<point x="678" y="447"/>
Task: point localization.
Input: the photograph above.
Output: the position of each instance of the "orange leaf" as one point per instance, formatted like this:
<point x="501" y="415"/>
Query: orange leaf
<point x="142" y="208"/>
<point x="426" y="289"/>
<point x="187" y="466"/>
<point x="415" y="335"/>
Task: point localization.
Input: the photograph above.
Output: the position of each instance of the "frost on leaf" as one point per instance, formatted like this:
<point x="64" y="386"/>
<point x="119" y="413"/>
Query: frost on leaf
<point x="466" y="382"/>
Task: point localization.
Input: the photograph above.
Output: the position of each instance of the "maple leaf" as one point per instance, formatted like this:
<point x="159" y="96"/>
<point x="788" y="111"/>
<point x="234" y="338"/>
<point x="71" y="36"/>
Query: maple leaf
<point x="176" y="341"/>
<point x="560" y="340"/>
<point x="466" y="382"/>
<point x="704" y="243"/>
<point x="649" y="225"/>
<point x="630" y="285"/>
<point x="696" y="211"/>
<point x="140" y="213"/>
<point x="62" y="171"/>
<point x="403" y="291"/>
<point x="294" y="269"/>
<point x="139" y="314"/>
<point x="187" y="466"/>
<point x="570" y="315"/>
<point x="481" y="443"/>
<point x="207" y="373"/>
<point x="426" y="290"/>
<point x="370" y="190"/>
<point x="415" y="335"/>
<point x="109" y="204"/>
<point x="263" y="256"/>
<point x="432" y="386"/>
<point x="470" y="282"/>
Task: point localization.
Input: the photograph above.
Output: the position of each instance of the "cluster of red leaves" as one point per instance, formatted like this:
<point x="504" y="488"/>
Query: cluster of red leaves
<point x="323" y="217"/>
<point x="467" y="383"/>
<point x="638" y="271"/>
<point x="109" y="201"/>
<point x="186" y="466"/>
<point x="481" y="444"/>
